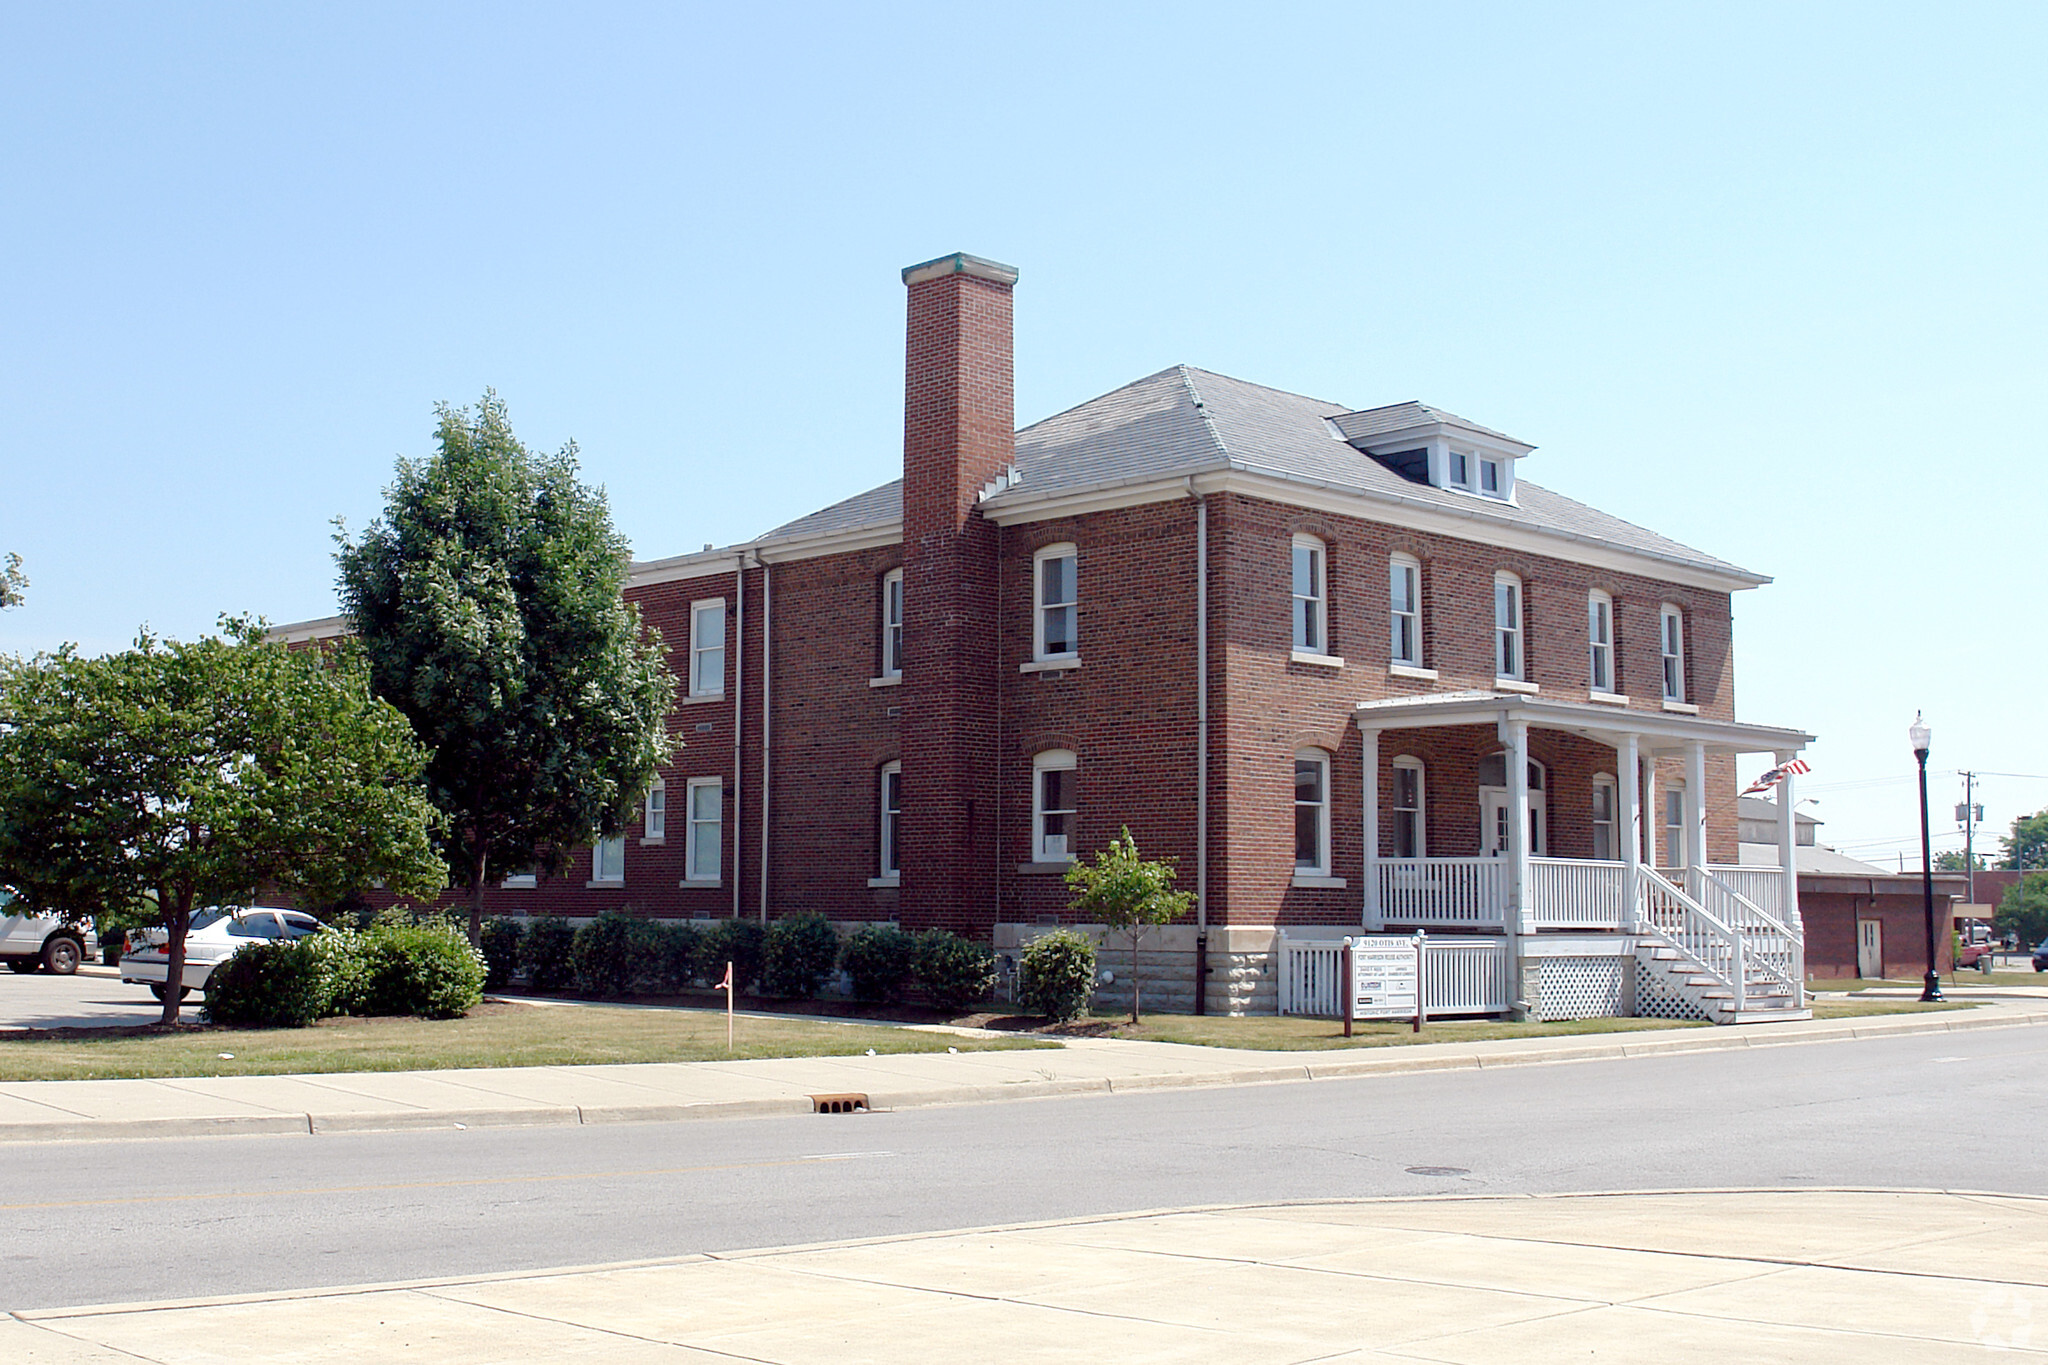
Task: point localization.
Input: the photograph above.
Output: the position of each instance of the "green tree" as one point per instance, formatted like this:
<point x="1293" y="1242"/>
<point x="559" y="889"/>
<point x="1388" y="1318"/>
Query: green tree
<point x="1123" y="891"/>
<point x="487" y="598"/>
<point x="196" y="773"/>
<point x="1953" y="861"/>
<point x="12" y="584"/>
<point x="2027" y="845"/>
<point x="2024" y="910"/>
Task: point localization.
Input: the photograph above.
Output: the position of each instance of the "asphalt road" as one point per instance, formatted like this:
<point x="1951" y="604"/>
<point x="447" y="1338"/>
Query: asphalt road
<point x="100" y="1222"/>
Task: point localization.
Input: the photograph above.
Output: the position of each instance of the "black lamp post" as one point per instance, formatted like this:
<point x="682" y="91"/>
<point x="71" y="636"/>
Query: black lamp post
<point x="1922" y="738"/>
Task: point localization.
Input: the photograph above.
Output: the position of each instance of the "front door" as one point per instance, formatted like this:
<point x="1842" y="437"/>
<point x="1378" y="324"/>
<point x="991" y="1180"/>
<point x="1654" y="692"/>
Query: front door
<point x="1870" y="949"/>
<point x="1494" y="817"/>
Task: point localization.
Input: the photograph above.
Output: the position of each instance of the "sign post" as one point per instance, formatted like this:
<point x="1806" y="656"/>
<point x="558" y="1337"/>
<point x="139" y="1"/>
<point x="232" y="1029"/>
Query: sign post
<point x="1382" y="978"/>
<point x="1421" y="979"/>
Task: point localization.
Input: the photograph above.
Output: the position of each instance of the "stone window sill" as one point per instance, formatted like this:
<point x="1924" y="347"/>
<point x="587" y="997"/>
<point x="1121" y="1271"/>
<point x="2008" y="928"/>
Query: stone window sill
<point x="1058" y="869"/>
<point x="1411" y="671"/>
<point x="1051" y="665"/>
<point x="884" y="883"/>
<point x="1683" y="708"/>
<point x="694" y="700"/>
<point x="1607" y="698"/>
<point x="652" y="841"/>
<point x="1318" y="660"/>
<point x="597" y="884"/>
<point x="895" y="681"/>
<point x="700" y="883"/>
<point x="1515" y="685"/>
<point x="1304" y="880"/>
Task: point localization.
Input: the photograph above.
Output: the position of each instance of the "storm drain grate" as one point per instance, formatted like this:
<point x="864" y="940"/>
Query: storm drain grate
<point x="839" y="1104"/>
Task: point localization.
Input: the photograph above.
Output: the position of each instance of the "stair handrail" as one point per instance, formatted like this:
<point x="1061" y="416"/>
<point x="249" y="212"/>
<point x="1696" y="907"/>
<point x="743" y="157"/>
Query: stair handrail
<point x="1698" y="922"/>
<point x="1748" y="916"/>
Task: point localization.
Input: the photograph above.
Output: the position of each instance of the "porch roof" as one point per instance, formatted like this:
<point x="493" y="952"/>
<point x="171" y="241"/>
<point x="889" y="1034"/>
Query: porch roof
<point x="1655" y="731"/>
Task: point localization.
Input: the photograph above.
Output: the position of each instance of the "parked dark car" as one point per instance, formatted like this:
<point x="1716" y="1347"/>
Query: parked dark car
<point x="2041" y="957"/>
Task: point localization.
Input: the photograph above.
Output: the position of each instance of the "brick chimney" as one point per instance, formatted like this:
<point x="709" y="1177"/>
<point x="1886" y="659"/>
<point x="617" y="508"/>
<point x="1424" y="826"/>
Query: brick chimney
<point x="959" y="432"/>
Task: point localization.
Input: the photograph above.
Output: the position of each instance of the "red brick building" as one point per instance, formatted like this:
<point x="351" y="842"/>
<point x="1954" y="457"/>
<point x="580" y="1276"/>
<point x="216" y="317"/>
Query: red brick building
<point x="1251" y="626"/>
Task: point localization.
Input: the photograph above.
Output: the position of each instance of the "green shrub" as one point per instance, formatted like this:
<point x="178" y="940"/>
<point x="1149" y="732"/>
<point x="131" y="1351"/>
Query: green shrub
<point x="607" y="954"/>
<point x="798" y="955"/>
<point x="343" y="971"/>
<point x="501" y="939"/>
<point x="428" y="970"/>
<point x="954" y="971"/>
<point x="544" y="952"/>
<point x="879" y="959"/>
<point x="1058" y="975"/>
<point x="671" y="953"/>
<point x="265" y="985"/>
<point x="741" y="942"/>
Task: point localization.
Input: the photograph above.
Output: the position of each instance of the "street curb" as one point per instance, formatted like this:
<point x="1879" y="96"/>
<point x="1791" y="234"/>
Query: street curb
<point x="1390" y="1062"/>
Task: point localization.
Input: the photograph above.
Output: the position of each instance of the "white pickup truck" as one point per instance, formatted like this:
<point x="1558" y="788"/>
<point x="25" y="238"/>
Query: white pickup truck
<point x="31" y="941"/>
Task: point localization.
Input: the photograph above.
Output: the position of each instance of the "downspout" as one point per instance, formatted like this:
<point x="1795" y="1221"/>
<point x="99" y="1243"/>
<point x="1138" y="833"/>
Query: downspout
<point x="1201" y="748"/>
<point x="767" y="712"/>
<point x="739" y="712"/>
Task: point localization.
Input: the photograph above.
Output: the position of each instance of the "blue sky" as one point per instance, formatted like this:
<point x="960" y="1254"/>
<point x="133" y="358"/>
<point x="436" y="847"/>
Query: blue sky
<point x="1768" y="279"/>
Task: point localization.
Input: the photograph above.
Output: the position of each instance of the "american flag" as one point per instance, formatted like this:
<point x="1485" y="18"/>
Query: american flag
<point x="1776" y="775"/>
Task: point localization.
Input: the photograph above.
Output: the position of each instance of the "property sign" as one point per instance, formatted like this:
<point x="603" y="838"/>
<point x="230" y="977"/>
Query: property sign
<point x="1384" y="981"/>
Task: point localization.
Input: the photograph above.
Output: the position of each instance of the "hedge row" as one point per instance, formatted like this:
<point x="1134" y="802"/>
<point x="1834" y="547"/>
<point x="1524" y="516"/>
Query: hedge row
<point x="426" y="969"/>
<point x="618" y="953"/>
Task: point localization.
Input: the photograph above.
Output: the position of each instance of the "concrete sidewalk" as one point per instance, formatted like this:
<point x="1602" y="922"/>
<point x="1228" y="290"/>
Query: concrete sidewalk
<point x="657" y="1092"/>
<point x="1841" y="1276"/>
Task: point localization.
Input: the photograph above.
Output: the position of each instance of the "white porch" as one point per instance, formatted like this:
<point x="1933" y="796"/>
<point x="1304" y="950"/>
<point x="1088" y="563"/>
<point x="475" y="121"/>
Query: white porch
<point x="1727" y="939"/>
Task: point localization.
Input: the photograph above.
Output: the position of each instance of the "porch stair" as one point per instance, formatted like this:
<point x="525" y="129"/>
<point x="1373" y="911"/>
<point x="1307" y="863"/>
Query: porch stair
<point x="1661" y="963"/>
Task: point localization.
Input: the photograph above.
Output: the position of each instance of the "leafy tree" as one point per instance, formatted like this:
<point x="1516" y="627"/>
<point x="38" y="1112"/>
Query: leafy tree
<point x="197" y="772"/>
<point x="1123" y="891"/>
<point x="487" y="598"/>
<point x="2024" y="910"/>
<point x="1954" y="861"/>
<point x="12" y="584"/>
<point x="2027" y="845"/>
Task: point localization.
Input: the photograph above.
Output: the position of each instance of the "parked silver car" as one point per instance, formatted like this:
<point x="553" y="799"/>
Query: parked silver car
<point x="31" y="941"/>
<point x="217" y="934"/>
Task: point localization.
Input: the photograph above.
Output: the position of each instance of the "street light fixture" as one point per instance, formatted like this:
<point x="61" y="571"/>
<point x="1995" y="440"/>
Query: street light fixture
<point x="1923" y="738"/>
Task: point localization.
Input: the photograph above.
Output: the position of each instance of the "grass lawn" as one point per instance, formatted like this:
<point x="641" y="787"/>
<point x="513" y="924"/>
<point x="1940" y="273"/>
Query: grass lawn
<point x="1962" y="978"/>
<point x="507" y="1034"/>
<point x="1271" y="1033"/>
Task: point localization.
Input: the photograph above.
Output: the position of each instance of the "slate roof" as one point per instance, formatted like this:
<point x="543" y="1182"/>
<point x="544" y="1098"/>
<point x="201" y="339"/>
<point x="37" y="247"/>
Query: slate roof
<point x="1184" y="421"/>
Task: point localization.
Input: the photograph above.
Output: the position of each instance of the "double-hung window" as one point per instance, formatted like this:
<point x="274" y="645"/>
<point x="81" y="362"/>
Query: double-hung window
<point x="1311" y="813"/>
<point x="1409" y="838"/>
<point x="707" y="648"/>
<point x="654" y="820"/>
<point x="1457" y="470"/>
<point x="706" y="808"/>
<point x="1507" y="627"/>
<point x="1489" y="478"/>
<point x="1310" y="606"/>
<point x="1054" y="805"/>
<point x="890" y="806"/>
<point x="608" y="860"/>
<point x="1606" y="843"/>
<point x="1056" y="601"/>
<point x="1404" y="585"/>
<point x="892" y="624"/>
<point x="1671" y="644"/>
<point x="1600" y="642"/>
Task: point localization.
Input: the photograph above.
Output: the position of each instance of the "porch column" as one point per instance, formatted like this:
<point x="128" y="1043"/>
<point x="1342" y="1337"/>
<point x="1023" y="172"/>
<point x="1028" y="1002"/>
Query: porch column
<point x="1521" y="909"/>
<point x="1628" y="758"/>
<point x="1788" y="842"/>
<point x="1369" y="814"/>
<point x="1696" y="812"/>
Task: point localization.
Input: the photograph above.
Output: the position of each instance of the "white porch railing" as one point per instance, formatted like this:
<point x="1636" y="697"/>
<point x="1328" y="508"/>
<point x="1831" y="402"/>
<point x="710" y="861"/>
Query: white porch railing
<point x="1768" y="947"/>
<point x="1763" y="887"/>
<point x="1459" y="893"/>
<point x="1692" y="929"/>
<point x="1459" y="976"/>
<point x="1570" y="893"/>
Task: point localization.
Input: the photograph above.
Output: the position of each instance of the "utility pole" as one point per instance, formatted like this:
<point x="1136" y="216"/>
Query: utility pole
<point x="1967" y="815"/>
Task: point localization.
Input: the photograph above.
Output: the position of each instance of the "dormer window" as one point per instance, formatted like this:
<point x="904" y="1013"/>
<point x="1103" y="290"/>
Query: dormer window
<point x="1428" y="445"/>
<point x="1489" y="478"/>
<point x="1458" y="470"/>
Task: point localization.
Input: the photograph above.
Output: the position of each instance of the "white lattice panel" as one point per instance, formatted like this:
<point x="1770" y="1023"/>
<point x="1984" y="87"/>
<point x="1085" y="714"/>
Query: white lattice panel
<point x="1579" y="988"/>
<point x="1656" y="999"/>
